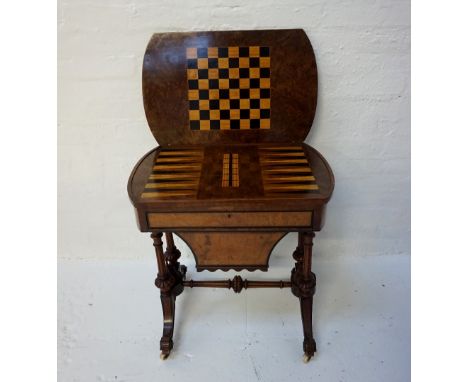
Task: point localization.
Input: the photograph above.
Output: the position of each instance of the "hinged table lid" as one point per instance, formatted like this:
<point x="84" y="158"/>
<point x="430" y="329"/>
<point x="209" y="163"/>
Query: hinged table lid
<point x="230" y="87"/>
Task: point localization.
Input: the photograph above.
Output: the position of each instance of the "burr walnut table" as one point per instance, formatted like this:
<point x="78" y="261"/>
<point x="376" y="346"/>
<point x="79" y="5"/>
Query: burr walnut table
<point x="232" y="176"/>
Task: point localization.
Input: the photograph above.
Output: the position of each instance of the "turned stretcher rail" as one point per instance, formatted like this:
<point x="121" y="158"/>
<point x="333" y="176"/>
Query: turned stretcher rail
<point x="237" y="284"/>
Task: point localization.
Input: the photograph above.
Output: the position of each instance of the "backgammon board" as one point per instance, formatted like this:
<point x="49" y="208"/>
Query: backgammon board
<point x="232" y="174"/>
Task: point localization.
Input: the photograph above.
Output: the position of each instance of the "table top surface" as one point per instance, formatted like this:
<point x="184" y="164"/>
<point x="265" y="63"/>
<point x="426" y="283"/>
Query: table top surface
<point x="231" y="176"/>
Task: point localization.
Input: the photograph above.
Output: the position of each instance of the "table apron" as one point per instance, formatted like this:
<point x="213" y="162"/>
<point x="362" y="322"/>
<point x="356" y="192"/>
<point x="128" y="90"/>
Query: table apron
<point x="228" y="220"/>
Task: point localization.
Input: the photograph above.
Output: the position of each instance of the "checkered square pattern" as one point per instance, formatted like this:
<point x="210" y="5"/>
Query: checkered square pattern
<point x="229" y="88"/>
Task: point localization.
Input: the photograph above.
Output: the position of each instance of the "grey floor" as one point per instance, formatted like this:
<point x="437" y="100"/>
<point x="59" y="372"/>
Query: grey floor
<point x="110" y="323"/>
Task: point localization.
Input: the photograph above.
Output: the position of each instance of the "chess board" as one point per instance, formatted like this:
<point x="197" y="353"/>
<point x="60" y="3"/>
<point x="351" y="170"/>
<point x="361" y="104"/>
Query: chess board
<point x="229" y="87"/>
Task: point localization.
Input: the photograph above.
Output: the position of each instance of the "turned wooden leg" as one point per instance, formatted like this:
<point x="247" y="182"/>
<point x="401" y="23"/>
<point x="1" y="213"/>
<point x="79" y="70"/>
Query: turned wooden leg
<point x="170" y="281"/>
<point x="172" y="256"/>
<point x="303" y="286"/>
<point x="298" y="254"/>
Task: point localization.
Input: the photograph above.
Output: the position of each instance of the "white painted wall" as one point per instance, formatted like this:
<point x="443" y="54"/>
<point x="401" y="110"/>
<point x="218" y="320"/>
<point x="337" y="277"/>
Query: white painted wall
<point x="362" y="124"/>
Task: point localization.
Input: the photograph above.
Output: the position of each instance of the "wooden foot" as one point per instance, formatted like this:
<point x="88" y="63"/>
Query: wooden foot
<point x="309" y="345"/>
<point x="168" y="307"/>
<point x="303" y="286"/>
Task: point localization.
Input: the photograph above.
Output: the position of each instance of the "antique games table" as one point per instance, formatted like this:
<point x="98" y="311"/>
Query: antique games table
<point x="232" y="174"/>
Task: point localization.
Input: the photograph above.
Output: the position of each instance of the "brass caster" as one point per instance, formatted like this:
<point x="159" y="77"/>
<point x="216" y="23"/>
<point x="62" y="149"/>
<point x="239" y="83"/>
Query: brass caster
<point x="163" y="356"/>
<point x="306" y="358"/>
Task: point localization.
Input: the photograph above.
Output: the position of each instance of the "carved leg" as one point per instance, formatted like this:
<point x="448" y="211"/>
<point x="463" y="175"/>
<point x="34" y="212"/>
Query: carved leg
<point x="303" y="286"/>
<point x="168" y="307"/>
<point x="298" y="254"/>
<point x="169" y="281"/>
<point x="172" y="256"/>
